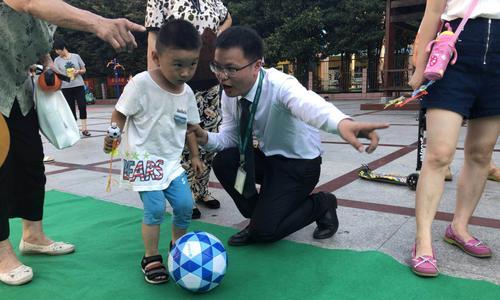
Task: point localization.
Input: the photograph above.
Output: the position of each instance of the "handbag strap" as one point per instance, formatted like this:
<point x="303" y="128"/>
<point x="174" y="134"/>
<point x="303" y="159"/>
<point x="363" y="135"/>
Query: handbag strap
<point x="466" y="17"/>
<point x="35" y="100"/>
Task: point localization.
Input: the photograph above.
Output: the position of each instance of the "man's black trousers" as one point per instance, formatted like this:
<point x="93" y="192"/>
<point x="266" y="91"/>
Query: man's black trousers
<point x="283" y="204"/>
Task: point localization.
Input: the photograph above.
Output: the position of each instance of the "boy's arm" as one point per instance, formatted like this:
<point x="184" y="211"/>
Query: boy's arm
<point x="118" y="118"/>
<point x="192" y="145"/>
<point x="196" y="162"/>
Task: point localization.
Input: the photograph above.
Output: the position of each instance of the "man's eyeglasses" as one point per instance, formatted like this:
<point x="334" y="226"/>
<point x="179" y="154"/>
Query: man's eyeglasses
<point x="228" y="71"/>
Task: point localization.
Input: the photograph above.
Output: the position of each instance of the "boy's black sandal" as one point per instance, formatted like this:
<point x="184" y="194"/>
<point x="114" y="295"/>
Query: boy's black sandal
<point x="196" y="213"/>
<point x="154" y="270"/>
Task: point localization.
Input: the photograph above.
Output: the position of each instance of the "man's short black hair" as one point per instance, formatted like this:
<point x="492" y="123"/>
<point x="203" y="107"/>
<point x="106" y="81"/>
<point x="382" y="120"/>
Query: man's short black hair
<point x="245" y="38"/>
<point x="178" y="34"/>
<point x="59" y="44"/>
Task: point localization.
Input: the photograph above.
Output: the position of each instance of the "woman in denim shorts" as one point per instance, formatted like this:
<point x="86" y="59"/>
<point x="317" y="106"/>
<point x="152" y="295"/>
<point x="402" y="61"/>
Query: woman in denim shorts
<point x="470" y="89"/>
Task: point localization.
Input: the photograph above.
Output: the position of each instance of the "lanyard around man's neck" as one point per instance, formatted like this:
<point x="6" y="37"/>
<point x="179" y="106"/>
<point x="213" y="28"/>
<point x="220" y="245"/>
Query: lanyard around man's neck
<point x="248" y="130"/>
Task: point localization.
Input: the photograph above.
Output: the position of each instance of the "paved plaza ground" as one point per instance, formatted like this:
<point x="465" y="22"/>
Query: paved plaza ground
<point x="373" y="216"/>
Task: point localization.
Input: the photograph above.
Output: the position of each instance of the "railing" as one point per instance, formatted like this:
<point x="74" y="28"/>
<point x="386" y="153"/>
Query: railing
<point x="351" y="82"/>
<point x="396" y="80"/>
<point x="344" y="82"/>
<point x="100" y="88"/>
<point x="347" y="82"/>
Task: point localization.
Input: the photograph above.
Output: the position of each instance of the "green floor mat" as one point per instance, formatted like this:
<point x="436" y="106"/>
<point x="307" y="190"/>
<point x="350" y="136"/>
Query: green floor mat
<point x="109" y="248"/>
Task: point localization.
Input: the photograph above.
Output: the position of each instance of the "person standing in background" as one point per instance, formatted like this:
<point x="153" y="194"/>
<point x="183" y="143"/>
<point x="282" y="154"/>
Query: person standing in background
<point x="72" y="65"/>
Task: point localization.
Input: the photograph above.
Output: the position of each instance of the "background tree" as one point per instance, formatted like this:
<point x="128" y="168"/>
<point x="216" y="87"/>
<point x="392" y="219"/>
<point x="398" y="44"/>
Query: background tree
<point x="356" y="27"/>
<point x="97" y="53"/>
<point x="292" y="30"/>
<point x="300" y="31"/>
<point x="305" y="31"/>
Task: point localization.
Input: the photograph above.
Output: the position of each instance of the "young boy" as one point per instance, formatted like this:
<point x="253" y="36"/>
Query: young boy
<point x="158" y="105"/>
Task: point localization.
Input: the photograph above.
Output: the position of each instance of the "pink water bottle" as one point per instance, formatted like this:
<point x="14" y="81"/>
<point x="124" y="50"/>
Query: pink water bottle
<point x="443" y="49"/>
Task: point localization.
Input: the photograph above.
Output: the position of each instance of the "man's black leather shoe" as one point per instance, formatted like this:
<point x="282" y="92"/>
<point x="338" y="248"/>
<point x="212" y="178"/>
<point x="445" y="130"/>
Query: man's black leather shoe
<point x="241" y="238"/>
<point x="328" y="223"/>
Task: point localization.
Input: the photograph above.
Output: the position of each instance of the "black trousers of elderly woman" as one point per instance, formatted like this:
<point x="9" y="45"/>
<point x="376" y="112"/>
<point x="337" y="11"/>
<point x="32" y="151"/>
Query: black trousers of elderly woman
<point x="283" y="204"/>
<point x="22" y="177"/>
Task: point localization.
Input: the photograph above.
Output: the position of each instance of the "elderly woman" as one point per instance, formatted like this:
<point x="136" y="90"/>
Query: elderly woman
<point x="210" y="17"/>
<point x="25" y="38"/>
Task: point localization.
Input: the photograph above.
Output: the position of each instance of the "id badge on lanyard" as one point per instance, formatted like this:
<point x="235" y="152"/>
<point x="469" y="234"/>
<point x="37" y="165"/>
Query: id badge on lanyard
<point x="241" y="174"/>
<point x="239" y="184"/>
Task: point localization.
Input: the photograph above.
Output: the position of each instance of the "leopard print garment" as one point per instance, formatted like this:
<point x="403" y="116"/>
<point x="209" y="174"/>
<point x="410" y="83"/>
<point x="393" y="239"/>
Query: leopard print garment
<point x="202" y="14"/>
<point x="210" y="116"/>
<point x="209" y="14"/>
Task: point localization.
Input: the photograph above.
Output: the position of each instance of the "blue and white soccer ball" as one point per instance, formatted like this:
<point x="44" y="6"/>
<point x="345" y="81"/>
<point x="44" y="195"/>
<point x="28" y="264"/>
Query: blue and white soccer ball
<point x="197" y="261"/>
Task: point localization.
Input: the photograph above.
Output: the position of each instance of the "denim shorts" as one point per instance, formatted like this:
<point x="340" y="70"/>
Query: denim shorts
<point x="471" y="87"/>
<point x="180" y="198"/>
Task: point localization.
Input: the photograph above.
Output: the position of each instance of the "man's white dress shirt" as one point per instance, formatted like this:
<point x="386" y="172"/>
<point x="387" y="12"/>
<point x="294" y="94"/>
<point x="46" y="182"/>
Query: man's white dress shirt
<point x="286" y="122"/>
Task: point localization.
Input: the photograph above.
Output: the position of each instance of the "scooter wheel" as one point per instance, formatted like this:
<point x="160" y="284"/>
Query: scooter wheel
<point x="412" y="181"/>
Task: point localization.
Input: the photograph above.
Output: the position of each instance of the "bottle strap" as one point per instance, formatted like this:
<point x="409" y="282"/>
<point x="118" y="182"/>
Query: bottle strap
<point x="466" y="17"/>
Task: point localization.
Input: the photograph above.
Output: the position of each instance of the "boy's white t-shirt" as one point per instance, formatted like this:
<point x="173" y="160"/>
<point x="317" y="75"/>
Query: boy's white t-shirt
<point x="154" y="134"/>
<point x="455" y="9"/>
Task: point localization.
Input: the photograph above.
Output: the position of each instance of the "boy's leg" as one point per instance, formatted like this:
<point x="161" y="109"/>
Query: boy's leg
<point x="177" y="232"/>
<point x="180" y="198"/>
<point x="443" y="128"/>
<point x="154" y="214"/>
<point x="482" y="134"/>
<point x="151" y="237"/>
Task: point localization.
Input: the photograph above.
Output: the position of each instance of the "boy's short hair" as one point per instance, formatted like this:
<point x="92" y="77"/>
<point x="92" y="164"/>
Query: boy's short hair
<point x="59" y="44"/>
<point x="245" y="38"/>
<point x="178" y="34"/>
